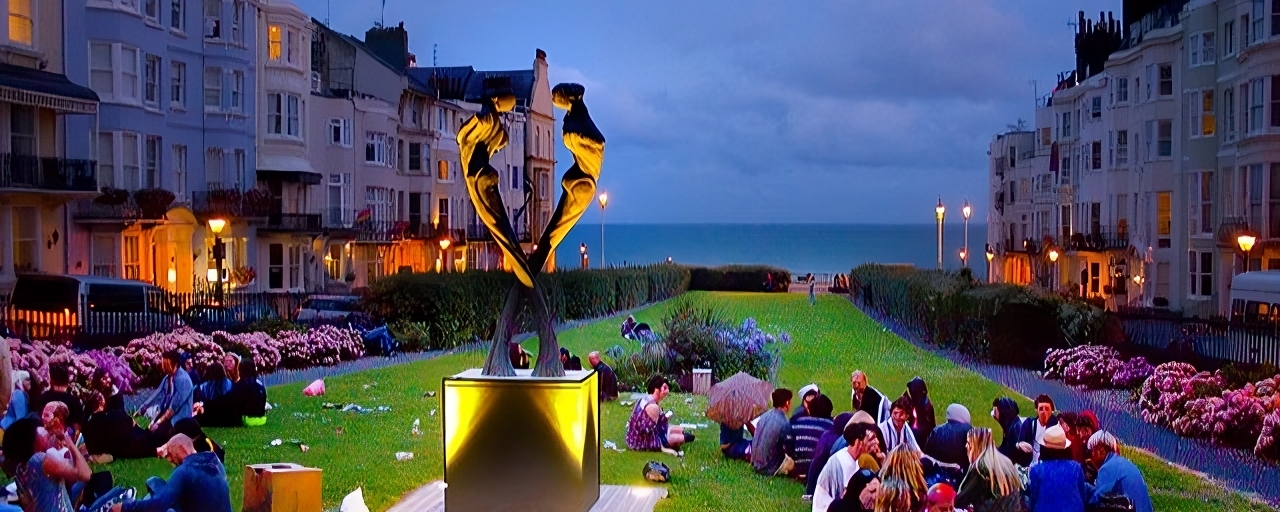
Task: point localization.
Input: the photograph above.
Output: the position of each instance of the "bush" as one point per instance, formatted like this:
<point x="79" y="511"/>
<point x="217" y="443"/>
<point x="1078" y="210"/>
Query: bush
<point x="259" y="346"/>
<point x="1091" y="366"/>
<point x="272" y="326"/>
<point x="144" y="354"/>
<point x="738" y="278"/>
<point x="411" y="336"/>
<point x="1268" y="446"/>
<point x="322" y="346"/>
<point x="36" y="356"/>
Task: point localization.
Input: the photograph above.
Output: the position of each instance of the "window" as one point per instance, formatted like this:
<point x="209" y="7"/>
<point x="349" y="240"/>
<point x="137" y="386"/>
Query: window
<point x="151" y="176"/>
<point x="213" y="19"/>
<point x="375" y="148"/>
<point x="442" y="213"/>
<point x="240" y="178"/>
<point x="442" y="170"/>
<point x="21" y="24"/>
<point x="397" y="149"/>
<point x="516" y="178"/>
<point x="1229" y="38"/>
<point x="132" y="262"/>
<point x="1066" y="125"/>
<point x="1151" y="79"/>
<point x="1229" y="110"/>
<point x="440" y="119"/>
<point x="1273" y="198"/>
<point x="273" y="42"/>
<point x="340" y="132"/>
<point x="275" y="266"/>
<point x="295" y="266"/>
<point x="177" y="19"/>
<point x="291" y="50"/>
<point x="378" y="202"/>
<point x="1166" y="80"/>
<point x="1256" y="32"/>
<point x="151" y="10"/>
<point x="1200" y="203"/>
<point x="1095" y="111"/>
<point x="213" y="89"/>
<point x="237" y="21"/>
<point x="237" y="90"/>
<point x="1122" y="90"/>
<point x="415" y="113"/>
<point x="151" y="84"/>
<point x="339" y="200"/>
<point x="1201" y="266"/>
<point x="1203" y="120"/>
<point x="178" y="85"/>
<point x="22" y="129"/>
<point x="1193" y="51"/>
<point x="1208" y="54"/>
<point x="1244" y="31"/>
<point x="179" y="172"/>
<point x="213" y="168"/>
<point x="415" y="156"/>
<point x="1255" y="195"/>
<point x="104" y="256"/>
<point x="1164" y="224"/>
<point x="1122" y="147"/>
<point x="1165" y="137"/>
<point x="544" y="185"/>
<point x="1275" y="99"/>
<point x="106" y="160"/>
<point x="282" y="114"/>
<point x="131" y="161"/>
<point x="1255" y="106"/>
<point x="1096" y="152"/>
<point x="101" y="70"/>
<point x="113" y="72"/>
<point x="25" y="238"/>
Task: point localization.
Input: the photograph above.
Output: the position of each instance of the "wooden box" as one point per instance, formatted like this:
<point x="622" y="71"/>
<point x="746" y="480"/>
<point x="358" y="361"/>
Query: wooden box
<point x="281" y="488"/>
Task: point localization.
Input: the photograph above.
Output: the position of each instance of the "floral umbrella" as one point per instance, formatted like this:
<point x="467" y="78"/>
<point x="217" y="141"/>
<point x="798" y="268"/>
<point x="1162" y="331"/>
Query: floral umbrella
<point x="739" y="399"/>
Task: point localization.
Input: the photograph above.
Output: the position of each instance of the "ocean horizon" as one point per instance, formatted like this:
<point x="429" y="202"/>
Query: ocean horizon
<point x="800" y="248"/>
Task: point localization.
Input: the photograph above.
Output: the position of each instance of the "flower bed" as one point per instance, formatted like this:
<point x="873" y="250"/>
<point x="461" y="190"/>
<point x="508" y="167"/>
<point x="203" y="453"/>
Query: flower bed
<point x="36" y="356"/>
<point x="320" y="346"/>
<point x="1096" y="367"/>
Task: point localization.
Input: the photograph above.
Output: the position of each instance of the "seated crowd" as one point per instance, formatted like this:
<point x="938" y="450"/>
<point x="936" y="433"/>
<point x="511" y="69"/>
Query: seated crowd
<point x="51" y="435"/>
<point x="890" y="456"/>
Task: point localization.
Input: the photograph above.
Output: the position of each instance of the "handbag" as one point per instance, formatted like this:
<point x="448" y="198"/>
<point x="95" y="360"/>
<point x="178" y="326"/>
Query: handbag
<point x="656" y="471"/>
<point x="1113" y="502"/>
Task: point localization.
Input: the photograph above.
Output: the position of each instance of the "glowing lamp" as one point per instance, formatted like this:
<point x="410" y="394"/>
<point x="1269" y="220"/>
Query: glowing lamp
<point x="216" y="225"/>
<point x="962" y="254"/>
<point x="173" y="276"/>
<point x="444" y="244"/>
<point x="582" y="249"/>
<point x="966" y="211"/>
<point x="604" y="199"/>
<point x="212" y="275"/>
<point x="1053" y="255"/>
<point x="1246" y="242"/>
<point x="990" y="255"/>
<point x="940" y="209"/>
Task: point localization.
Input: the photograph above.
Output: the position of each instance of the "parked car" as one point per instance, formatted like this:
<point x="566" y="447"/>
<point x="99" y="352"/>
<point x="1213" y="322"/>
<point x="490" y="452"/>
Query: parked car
<point x="327" y="307"/>
<point x="89" y="310"/>
<point x="207" y="318"/>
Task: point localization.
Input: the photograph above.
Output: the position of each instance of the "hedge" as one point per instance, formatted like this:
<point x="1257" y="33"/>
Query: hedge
<point x="452" y="309"/>
<point x="738" y="278"/>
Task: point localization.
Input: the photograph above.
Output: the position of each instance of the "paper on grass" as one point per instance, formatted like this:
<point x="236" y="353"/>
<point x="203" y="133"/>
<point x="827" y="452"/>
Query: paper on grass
<point x="354" y="502"/>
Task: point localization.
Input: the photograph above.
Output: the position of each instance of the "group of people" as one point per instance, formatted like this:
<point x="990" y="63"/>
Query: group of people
<point x="888" y="455"/>
<point x="51" y="435"/>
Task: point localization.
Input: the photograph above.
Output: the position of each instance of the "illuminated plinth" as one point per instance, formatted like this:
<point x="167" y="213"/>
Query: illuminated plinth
<point x="521" y="443"/>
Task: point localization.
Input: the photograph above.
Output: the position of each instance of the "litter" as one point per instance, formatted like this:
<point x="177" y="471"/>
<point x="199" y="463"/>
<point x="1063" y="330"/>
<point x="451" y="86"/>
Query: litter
<point x="610" y="445"/>
<point x="404" y="455"/>
<point x="354" y="502"/>
<point x="330" y="405"/>
<point x="304" y="448"/>
<point x="340" y="431"/>
<point x="625" y="402"/>
<point x="277" y="442"/>
<point x="353" y="407"/>
<point x="383" y="408"/>
<point x="417" y="428"/>
<point x="429" y="394"/>
<point x="432" y="413"/>
<point x="688" y="400"/>
<point x="316" y="388"/>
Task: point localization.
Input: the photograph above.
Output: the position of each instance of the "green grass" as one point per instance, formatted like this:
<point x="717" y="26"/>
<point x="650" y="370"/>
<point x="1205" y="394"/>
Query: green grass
<point x="829" y="341"/>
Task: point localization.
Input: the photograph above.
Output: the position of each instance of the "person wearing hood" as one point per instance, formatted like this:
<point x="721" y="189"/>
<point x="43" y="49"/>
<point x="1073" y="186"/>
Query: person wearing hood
<point x="806" y="394"/>
<point x="198" y="482"/>
<point x="1005" y="411"/>
<point x="923" y="418"/>
<point x="823" y="451"/>
<point x="947" y="442"/>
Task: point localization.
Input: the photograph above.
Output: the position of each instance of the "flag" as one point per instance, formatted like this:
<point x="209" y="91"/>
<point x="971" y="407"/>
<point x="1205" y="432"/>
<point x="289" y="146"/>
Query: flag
<point x="364" y="215"/>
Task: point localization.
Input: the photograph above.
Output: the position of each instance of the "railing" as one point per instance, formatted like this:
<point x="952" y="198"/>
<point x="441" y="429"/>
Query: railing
<point x="480" y="232"/>
<point x="1216" y="339"/>
<point x="293" y="222"/>
<point x="1099" y="241"/>
<point x="93" y="210"/>
<point x="23" y="171"/>
<point x="231" y="202"/>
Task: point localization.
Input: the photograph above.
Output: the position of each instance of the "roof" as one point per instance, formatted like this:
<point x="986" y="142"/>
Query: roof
<point x="48" y="84"/>
<point x="1257" y="281"/>
<point x="86" y="279"/>
<point x="464" y="83"/>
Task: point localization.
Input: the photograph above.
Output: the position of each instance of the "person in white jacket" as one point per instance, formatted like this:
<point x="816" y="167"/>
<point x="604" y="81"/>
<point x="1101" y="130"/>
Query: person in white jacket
<point x="843" y="464"/>
<point x="897" y="427"/>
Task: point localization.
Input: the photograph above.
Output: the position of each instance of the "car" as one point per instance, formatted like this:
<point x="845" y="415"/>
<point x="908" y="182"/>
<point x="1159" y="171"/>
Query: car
<point x="327" y="307"/>
<point x="207" y="318"/>
<point x="92" y="311"/>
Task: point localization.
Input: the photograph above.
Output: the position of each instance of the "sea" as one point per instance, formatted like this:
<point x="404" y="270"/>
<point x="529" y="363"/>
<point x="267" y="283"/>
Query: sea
<point x="800" y="248"/>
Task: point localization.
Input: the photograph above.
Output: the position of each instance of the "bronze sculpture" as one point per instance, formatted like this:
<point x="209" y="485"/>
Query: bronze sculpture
<point x="480" y="137"/>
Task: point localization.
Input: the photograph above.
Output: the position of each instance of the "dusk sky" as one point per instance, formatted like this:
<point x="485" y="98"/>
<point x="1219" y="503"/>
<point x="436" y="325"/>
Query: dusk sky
<point x="768" y="111"/>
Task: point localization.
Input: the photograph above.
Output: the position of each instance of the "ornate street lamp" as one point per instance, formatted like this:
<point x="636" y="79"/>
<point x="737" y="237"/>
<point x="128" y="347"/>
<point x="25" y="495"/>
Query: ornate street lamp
<point x="604" y="200"/>
<point x="219" y="253"/>
<point x="1053" y="263"/>
<point x="941" y="212"/>
<point x="444" y="246"/>
<point x="991" y="254"/>
<point x="582" y="249"/>
<point x="966" y="211"/>
<point x="1246" y="242"/>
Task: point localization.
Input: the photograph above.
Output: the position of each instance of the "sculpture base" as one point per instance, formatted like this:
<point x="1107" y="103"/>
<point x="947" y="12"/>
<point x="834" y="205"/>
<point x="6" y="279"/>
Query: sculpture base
<point x="521" y="443"/>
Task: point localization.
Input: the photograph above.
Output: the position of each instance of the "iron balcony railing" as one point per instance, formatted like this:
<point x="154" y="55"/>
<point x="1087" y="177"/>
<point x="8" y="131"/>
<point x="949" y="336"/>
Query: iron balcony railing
<point x="48" y="173"/>
<point x="231" y="202"/>
<point x="1101" y="240"/>
<point x="303" y="222"/>
<point x="481" y="233"/>
<point x="94" y="211"/>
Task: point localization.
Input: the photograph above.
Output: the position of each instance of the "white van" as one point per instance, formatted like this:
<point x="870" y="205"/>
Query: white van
<point x="1255" y="296"/>
<point x="86" y="308"/>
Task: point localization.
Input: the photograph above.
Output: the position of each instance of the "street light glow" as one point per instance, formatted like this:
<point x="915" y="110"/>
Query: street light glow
<point x="940" y="209"/>
<point x="216" y="225"/>
<point x="1246" y="242"/>
<point x="444" y="244"/>
<point x="967" y="210"/>
<point x="1053" y="255"/>
<point x="604" y="199"/>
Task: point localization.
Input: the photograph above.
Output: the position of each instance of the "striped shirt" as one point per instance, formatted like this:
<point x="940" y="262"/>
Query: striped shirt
<point x="807" y="430"/>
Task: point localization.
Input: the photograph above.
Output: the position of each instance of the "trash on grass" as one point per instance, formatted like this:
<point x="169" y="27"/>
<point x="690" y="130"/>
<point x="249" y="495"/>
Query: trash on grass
<point x="417" y="428"/>
<point x="316" y="388"/>
<point x="610" y="445"/>
<point x="354" y="502"/>
<point x="304" y="448"/>
<point x="429" y="394"/>
<point x="626" y="402"/>
<point x="277" y="442"/>
<point x="432" y="413"/>
<point x="340" y="431"/>
<point x="404" y="455"/>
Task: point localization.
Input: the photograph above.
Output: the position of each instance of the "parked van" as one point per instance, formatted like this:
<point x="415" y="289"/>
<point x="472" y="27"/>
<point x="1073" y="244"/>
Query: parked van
<point x="1255" y="296"/>
<point x="90" y="310"/>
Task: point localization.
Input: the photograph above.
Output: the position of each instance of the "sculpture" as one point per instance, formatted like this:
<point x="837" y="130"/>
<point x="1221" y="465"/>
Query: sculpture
<point x="480" y="137"/>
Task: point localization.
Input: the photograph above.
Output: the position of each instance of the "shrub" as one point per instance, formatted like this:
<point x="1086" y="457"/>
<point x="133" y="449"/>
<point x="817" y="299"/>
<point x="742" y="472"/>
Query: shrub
<point x="273" y="325"/>
<point x="1132" y="373"/>
<point x="36" y="356"/>
<point x="259" y="346"/>
<point x="1268" y="446"/>
<point x="322" y="346"/>
<point x="143" y="354"/>
<point x="411" y="336"/>
<point x="738" y="278"/>
<point x="1097" y="367"/>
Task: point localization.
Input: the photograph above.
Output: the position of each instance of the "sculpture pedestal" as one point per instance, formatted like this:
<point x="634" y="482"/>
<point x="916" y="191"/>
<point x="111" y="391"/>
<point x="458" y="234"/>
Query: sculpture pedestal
<point x="521" y="443"/>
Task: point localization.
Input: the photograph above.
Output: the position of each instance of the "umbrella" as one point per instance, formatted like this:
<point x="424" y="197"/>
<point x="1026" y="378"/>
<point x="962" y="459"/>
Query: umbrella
<point x="739" y="399"/>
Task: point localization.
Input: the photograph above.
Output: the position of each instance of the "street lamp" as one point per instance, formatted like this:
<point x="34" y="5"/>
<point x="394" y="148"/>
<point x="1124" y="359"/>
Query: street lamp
<point x="582" y="249"/>
<point x="1053" y="273"/>
<point x="991" y="254"/>
<point x="604" y="200"/>
<point x="1246" y="244"/>
<point x="219" y="253"/>
<point x="942" y="212"/>
<point x="966" y="211"/>
<point x="444" y="246"/>
<point x="964" y="257"/>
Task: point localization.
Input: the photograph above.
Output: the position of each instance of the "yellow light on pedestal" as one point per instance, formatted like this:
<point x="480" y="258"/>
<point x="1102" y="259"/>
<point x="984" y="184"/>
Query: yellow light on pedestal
<point x="217" y="225"/>
<point x="173" y="276"/>
<point x="1053" y="255"/>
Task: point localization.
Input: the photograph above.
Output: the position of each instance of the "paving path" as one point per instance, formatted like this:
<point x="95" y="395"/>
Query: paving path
<point x="1237" y="468"/>
<point x="613" y="498"/>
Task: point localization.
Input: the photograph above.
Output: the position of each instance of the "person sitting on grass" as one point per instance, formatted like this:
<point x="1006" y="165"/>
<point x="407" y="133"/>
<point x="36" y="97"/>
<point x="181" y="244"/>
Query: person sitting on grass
<point x="216" y="383"/>
<point x="862" y="490"/>
<point x="111" y="434"/>
<point x="876" y="453"/>
<point x="806" y="394"/>
<point x="862" y="441"/>
<point x="897" y="428"/>
<point x="608" y="379"/>
<point x="173" y="399"/>
<point x="992" y="483"/>
<point x="104" y="383"/>
<point x="18" y="401"/>
<point x="569" y="361"/>
<point x="231" y="363"/>
<point x="198" y="482"/>
<point x="922" y="416"/>
<point x="1116" y="474"/>
<point x="947" y="442"/>
<point x="868" y="399"/>
<point x="808" y="430"/>
<point x="519" y="357"/>
<point x="1057" y="482"/>
<point x="59" y="384"/>
<point x="822" y="453"/>
<point x="734" y="443"/>
<point x="48" y="469"/>
<point x="202" y="443"/>
<point x="1005" y="411"/>
<point x="648" y="430"/>
<point x="903" y="464"/>
<point x="773" y="442"/>
<point x="1033" y="430"/>
<point x="245" y="405"/>
<point x="894" y="496"/>
<point x="941" y="498"/>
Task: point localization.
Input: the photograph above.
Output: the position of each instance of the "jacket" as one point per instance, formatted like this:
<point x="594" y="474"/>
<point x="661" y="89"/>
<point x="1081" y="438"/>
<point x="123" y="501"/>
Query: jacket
<point x="947" y="443"/>
<point x="975" y="490"/>
<point x="925" y="419"/>
<point x="1011" y="426"/>
<point x="199" y="484"/>
<point x="1118" y="475"/>
<point x="1028" y="435"/>
<point x="1057" y="486"/>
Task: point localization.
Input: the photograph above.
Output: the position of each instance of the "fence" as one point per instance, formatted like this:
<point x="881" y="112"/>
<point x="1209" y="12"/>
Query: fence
<point x="1217" y="339"/>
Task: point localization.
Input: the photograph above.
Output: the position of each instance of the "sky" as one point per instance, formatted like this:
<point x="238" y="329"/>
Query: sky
<point x="753" y="111"/>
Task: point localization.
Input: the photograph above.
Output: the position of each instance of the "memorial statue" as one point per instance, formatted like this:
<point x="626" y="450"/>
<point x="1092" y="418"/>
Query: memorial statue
<point x="480" y="137"/>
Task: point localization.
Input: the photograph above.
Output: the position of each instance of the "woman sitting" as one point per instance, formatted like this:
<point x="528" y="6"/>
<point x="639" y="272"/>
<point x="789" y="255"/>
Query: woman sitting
<point x="18" y="402"/>
<point x="103" y="383"/>
<point x="992" y="483"/>
<point x="859" y="493"/>
<point x="903" y="465"/>
<point x="47" y="467"/>
<point x="244" y="405"/>
<point x="647" y="430"/>
<point x="216" y="383"/>
<point x="111" y="434"/>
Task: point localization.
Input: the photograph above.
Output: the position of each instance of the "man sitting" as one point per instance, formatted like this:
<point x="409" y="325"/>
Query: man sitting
<point x="1033" y="430"/>
<point x="198" y="482"/>
<point x="1116" y="474"/>
<point x="773" y="443"/>
<point x="807" y="430"/>
<point x="807" y="394"/>
<point x="897" y="429"/>
<point x="570" y="361"/>
<point x="608" y="379"/>
<point x="174" y="397"/>
<point x="862" y="441"/>
<point x="59" y="383"/>
<point x="111" y="434"/>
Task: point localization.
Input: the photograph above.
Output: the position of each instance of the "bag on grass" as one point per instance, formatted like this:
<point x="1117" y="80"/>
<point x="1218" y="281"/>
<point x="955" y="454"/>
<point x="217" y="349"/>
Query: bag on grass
<point x="316" y="388"/>
<point x="656" y="471"/>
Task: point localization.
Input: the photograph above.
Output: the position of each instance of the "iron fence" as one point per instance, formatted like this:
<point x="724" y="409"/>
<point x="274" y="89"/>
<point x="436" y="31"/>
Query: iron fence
<point x="1215" y="338"/>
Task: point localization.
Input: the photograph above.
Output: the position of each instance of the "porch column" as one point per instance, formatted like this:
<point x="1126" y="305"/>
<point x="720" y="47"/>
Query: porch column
<point x="6" y="241"/>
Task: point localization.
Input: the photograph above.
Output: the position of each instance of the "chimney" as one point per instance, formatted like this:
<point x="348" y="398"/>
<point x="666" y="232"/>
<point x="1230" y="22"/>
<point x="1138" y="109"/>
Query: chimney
<point x="390" y="44"/>
<point x="540" y="65"/>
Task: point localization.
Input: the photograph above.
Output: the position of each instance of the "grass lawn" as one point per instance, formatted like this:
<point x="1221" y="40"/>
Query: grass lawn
<point x="829" y="341"/>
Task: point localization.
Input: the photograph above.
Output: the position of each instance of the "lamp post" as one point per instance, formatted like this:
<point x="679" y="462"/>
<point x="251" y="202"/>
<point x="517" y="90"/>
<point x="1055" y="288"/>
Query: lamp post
<point x="219" y="253"/>
<point x="604" y="200"/>
<point x="582" y="249"/>
<point x="1246" y="244"/>
<point x="966" y="212"/>
<point x="991" y="254"/>
<point x="444" y="247"/>
<point x="964" y="257"/>
<point x="1053" y="266"/>
<point x="941" y="211"/>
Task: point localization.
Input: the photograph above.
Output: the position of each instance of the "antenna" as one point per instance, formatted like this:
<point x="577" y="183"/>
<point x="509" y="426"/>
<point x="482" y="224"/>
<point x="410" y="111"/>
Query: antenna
<point x="434" y="47"/>
<point x="383" y="22"/>
<point x="327" y="11"/>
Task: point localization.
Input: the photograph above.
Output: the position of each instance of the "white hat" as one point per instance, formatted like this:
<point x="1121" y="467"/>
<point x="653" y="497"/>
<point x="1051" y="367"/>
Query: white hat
<point x="1055" y="438"/>
<point x="805" y="390"/>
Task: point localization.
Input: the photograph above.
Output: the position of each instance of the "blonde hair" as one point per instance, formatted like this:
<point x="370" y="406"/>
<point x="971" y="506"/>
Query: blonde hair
<point x="894" y="496"/>
<point x="992" y="465"/>
<point x="978" y="439"/>
<point x="903" y="464"/>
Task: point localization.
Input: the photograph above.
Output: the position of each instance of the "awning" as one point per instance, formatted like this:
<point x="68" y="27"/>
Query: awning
<point x="27" y="86"/>
<point x="288" y="169"/>
<point x="303" y="177"/>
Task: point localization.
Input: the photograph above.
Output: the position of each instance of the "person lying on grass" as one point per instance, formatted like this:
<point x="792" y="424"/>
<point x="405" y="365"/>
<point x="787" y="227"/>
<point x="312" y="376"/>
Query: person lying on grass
<point x="198" y="482"/>
<point x="648" y="430"/>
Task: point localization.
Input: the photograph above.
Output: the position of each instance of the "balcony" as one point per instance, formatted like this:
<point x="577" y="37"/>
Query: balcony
<point x="231" y="202"/>
<point x="93" y="211"/>
<point x="49" y="174"/>
<point x="480" y="233"/>
<point x="293" y="223"/>
<point x="1101" y="240"/>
